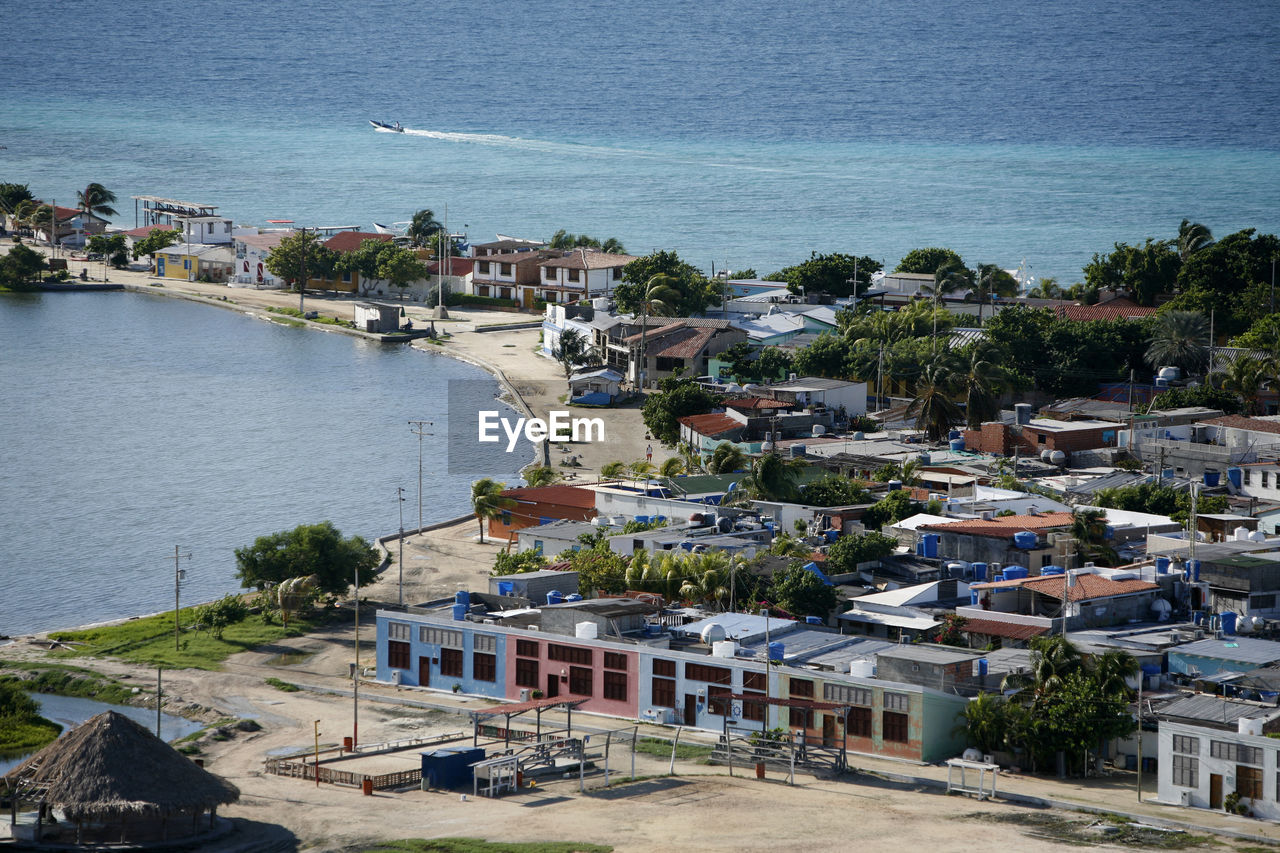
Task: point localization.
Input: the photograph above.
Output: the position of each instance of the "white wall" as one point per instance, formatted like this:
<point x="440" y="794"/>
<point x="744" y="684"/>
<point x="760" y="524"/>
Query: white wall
<point x="1198" y="797"/>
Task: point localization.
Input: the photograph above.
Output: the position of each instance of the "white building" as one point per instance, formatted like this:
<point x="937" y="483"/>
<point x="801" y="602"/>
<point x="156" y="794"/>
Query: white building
<point x="832" y="393"/>
<point x="251" y="252"/>
<point x="1201" y="766"/>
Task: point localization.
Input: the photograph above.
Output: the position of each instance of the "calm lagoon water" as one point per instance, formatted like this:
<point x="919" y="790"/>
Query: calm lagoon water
<point x="132" y="423"/>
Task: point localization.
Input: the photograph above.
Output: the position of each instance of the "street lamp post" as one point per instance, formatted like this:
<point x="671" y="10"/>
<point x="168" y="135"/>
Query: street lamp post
<point x="418" y="428"/>
<point x="400" y="561"/>
<point x="177" y="591"/>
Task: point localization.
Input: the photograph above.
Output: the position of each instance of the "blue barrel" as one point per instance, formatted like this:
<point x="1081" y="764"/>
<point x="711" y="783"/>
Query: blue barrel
<point x="813" y="620"/>
<point x="642" y="519"/>
<point x="830" y="535"/>
<point x="462" y="597"/>
<point x="1193" y="566"/>
<point x="930" y="542"/>
<point x="894" y="485"/>
<point x="657" y="519"/>
<point x="957" y="445"/>
<point x="1235" y="477"/>
<point x="1025" y="539"/>
<point x="973" y="598"/>
<point x="998" y="577"/>
<point x="1212" y="477"/>
<point x="979" y="572"/>
<point x="1162" y="565"/>
<point x="555" y="596"/>
<point x="925" y="458"/>
<point x="460" y="612"/>
<point x="1015" y="573"/>
<point x="920" y="548"/>
<point x="1228" y="623"/>
<point x="573" y="596"/>
<point x="506" y="588"/>
<point x="776" y="651"/>
<point x="982" y="666"/>
<point x="954" y="434"/>
<point x="1052" y="570"/>
<point x="1197" y="617"/>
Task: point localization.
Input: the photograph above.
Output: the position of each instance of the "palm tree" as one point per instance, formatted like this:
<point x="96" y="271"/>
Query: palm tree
<point x="1048" y="288"/>
<point x="1192" y="237"/>
<point x="726" y="458"/>
<point x="95" y="198"/>
<point x="671" y="468"/>
<point x="660" y="298"/>
<point x="1246" y="376"/>
<point x="613" y="246"/>
<point x="992" y="281"/>
<point x="1053" y="658"/>
<point x="771" y="478"/>
<point x="948" y="278"/>
<point x="1180" y="339"/>
<point x="984" y="722"/>
<point x="981" y="378"/>
<point x="541" y="475"/>
<point x="613" y="470"/>
<point x="932" y="407"/>
<point x="1089" y="528"/>
<point x="1111" y="673"/>
<point x="487" y="501"/>
<point x="422" y="227"/>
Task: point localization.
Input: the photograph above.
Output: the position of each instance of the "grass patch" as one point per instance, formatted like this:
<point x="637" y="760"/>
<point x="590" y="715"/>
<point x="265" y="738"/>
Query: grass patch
<point x="1095" y="830"/>
<point x="660" y="748"/>
<point x="30" y="733"/>
<point x="283" y="685"/>
<point x="325" y="321"/>
<point x="63" y="680"/>
<point x="477" y="845"/>
<point x="149" y="640"/>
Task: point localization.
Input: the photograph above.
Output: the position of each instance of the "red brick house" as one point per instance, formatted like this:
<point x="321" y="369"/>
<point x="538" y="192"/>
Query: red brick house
<point x="1042" y="434"/>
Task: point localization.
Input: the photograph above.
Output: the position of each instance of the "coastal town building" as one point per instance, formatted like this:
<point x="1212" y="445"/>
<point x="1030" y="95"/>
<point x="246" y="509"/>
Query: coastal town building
<point x="195" y="262"/>
<point x="539" y="505"/>
<point x="1210" y="748"/>
<point x="581" y="274"/>
<point x="514" y="275"/>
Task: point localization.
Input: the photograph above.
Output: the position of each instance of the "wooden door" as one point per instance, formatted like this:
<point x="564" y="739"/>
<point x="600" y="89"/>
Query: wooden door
<point x="828" y="729"/>
<point x="690" y="709"/>
<point x="424" y="672"/>
<point x="1215" y="790"/>
<point x="553" y="685"/>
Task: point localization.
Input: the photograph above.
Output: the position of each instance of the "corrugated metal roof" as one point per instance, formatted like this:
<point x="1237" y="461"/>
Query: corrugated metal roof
<point x="1240" y="649"/>
<point x="1214" y="709"/>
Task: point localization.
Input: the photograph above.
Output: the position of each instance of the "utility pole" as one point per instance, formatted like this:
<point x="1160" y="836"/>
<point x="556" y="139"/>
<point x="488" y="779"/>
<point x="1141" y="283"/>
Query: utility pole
<point x="177" y="589"/>
<point x="355" y="673"/>
<point x="1139" y="736"/>
<point x="302" y="295"/>
<point x="880" y="378"/>
<point x="400" y="561"/>
<point x="159" y="693"/>
<point x="418" y="428"/>
<point x="317" y="728"/>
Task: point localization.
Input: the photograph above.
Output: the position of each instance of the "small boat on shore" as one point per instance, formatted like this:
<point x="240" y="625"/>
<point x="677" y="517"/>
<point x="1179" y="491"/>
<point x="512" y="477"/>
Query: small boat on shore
<point x="382" y="125"/>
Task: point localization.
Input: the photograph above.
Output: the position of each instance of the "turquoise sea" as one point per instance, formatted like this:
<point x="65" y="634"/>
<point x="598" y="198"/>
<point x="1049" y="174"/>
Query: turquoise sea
<point x="738" y="133"/>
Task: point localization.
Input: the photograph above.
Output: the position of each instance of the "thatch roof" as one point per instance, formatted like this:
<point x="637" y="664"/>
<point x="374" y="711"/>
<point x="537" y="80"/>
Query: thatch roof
<point x="109" y="766"/>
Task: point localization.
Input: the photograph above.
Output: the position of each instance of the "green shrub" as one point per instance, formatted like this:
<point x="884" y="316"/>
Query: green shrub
<point x="218" y="615"/>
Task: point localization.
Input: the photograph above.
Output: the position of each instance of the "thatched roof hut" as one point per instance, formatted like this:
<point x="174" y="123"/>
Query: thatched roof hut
<point x="117" y="776"/>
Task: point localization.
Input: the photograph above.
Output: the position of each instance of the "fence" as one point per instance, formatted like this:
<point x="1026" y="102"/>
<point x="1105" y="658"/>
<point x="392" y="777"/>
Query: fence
<point x="299" y="767"/>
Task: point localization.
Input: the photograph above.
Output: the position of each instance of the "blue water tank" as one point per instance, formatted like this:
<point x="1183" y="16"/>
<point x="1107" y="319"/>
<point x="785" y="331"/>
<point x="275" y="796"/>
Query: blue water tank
<point x="813" y="620"/>
<point x="1150" y="669"/>
<point x="1162" y="565"/>
<point x="830" y="535"/>
<point x="979" y="572"/>
<point x="555" y="596"/>
<point x="982" y="666"/>
<point x="925" y="458"/>
<point x="462" y="597"/>
<point x="954" y="434"/>
<point x="1197" y="617"/>
<point x="506" y="588"/>
<point x="1015" y="573"/>
<point x="1052" y="570"/>
<point x="894" y="485"/>
<point x="573" y="596"/>
<point x="1235" y="477"/>
<point x="460" y="612"/>
<point x="998" y="577"/>
<point x="1025" y="539"/>
<point x="1212" y="477"/>
<point x="1228" y="623"/>
<point x="777" y="651"/>
<point x="1193" y="566"/>
<point x="957" y="445"/>
<point x="1167" y="473"/>
<point x="930" y="543"/>
<point x="657" y="519"/>
<point x="973" y="598"/>
<point x="642" y="519"/>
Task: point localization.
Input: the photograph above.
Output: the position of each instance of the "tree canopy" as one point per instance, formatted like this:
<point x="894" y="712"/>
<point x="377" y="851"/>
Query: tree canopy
<point x="308" y="549"/>
<point x="833" y="490"/>
<point x="675" y="399"/>
<point x="159" y="238"/>
<point x="694" y="291"/>
<point x="299" y="254"/>
<point x="1231" y="277"/>
<point x="832" y="274"/>
<point x="927" y="261"/>
<point x="564" y="240"/>
<point x="800" y="592"/>
<point x="21" y="265"/>
<point x="112" y="247"/>
<point x="1158" y="499"/>
<point x="847" y="552"/>
<point x="1146" y="271"/>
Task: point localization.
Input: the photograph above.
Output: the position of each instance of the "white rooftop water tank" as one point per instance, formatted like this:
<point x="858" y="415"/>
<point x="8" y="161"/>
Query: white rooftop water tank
<point x="724" y="649"/>
<point x="712" y="634"/>
<point x="1257" y="536"/>
<point x="1242" y="534"/>
<point x="586" y="630"/>
<point x="862" y="667"/>
<point x="1249" y="726"/>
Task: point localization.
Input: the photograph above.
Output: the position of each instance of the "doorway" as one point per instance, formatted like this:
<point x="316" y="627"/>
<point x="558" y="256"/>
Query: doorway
<point x="690" y="709"/>
<point x="553" y="685"/>
<point x="1215" y="790"/>
<point x="424" y="672"/>
<point x="828" y="729"/>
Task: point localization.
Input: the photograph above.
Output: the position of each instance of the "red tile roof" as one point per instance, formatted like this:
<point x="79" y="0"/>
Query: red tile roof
<point x="1003" y="528"/>
<point x="560" y="495"/>
<point x="1112" y="310"/>
<point x="349" y="241"/>
<point x="1086" y="587"/>
<point x="1241" y="422"/>
<point x="590" y="260"/>
<point x="687" y="343"/>
<point x="1000" y="628"/>
<point x="711" y="425"/>
<point x="145" y="230"/>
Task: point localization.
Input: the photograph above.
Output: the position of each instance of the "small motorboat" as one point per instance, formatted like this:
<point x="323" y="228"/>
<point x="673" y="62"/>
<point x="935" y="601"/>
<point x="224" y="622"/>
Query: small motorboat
<point x="382" y="125"/>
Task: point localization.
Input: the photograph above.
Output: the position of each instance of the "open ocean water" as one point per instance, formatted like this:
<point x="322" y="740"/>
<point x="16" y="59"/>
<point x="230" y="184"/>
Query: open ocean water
<point x="738" y="133"/>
